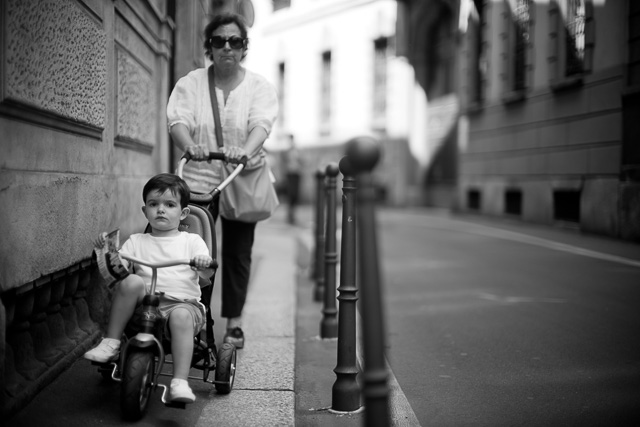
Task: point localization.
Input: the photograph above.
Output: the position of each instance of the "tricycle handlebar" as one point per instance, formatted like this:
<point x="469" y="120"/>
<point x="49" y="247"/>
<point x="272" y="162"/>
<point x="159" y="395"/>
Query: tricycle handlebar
<point x="156" y="265"/>
<point x="171" y="263"/>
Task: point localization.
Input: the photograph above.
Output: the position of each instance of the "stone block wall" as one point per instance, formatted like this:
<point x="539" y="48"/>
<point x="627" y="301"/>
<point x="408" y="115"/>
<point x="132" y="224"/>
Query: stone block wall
<point x="83" y="91"/>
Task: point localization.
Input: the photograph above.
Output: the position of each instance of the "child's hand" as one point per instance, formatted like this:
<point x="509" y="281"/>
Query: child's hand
<point x="100" y="241"/>
<point x="202" y="262"/>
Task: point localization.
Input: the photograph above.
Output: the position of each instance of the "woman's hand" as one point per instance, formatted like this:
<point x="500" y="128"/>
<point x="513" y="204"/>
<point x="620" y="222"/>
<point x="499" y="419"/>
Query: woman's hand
<point x="198" y="152"/>
<point x="233" y="153"/>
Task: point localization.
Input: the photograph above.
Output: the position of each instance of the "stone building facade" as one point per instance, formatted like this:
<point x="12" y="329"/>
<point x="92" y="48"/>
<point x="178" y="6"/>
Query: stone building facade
<point x="335" y="68"/>
<point x="83" y="91"/>
<point x="540" y="103"/>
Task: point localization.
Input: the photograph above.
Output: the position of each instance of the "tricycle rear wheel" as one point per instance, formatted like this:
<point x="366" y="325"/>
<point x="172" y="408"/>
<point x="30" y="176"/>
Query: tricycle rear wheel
<point x="226" y="368"/>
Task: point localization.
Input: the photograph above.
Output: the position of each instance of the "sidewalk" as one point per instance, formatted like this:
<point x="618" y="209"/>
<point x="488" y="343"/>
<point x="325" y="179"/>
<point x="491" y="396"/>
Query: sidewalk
<point x="315" y="357"/>
<point x="284" y="321"/>
<point x="281" y="380"/>
<point x="284" y="373"/>
<point x="263" y="394"/>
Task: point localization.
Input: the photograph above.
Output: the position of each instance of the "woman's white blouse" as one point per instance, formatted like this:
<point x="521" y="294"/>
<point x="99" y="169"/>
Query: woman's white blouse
<point x="254" y="102"/>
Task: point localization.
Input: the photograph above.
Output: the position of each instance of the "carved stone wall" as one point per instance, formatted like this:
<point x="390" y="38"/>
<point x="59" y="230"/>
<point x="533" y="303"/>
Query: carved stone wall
<point x="83" y="92"/>
<point x="136" y="101"/>
<point x="56" y="59"/>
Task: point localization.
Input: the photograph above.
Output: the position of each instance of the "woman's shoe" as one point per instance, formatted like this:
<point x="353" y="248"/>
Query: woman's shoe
<point x="234" y="336"/>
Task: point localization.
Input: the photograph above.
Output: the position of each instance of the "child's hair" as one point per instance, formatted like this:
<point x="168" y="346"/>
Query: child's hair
<point x="167" y="181"/>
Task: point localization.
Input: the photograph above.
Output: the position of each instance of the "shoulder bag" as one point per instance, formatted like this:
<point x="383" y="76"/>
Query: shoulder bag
<point x="251" y="197"/>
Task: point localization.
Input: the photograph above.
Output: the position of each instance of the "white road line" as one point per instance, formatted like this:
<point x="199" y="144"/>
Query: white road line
<point x="549" y="244"/>
<point x="487" y="231"/>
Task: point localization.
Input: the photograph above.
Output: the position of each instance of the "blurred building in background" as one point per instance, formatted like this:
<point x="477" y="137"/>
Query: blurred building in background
<point x="337" y="74"/>
<point x="534" y="105"/>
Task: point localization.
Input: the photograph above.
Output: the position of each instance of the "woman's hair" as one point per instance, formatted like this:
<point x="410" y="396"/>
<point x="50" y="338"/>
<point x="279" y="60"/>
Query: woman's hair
<point x="217" y="22"/>
<point x="167" y="181"/>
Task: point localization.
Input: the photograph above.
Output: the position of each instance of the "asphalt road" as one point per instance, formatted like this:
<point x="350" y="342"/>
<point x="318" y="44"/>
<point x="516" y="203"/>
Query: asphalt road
<point x="503" y="324"/>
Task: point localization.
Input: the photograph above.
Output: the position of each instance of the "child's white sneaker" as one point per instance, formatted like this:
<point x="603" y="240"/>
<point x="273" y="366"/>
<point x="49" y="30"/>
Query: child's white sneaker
<point x="181" y="392"/>
<point x="107" y="351"/>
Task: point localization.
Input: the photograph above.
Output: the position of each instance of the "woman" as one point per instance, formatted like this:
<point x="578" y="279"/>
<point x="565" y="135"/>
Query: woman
<point x="248" y="106"/>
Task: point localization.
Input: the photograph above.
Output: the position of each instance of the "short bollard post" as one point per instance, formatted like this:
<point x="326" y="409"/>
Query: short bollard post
<point x="329" y="323"/>
<point x="364" y="153"/>
<point x="318" y="265"/>
<point x="345" y="395"/>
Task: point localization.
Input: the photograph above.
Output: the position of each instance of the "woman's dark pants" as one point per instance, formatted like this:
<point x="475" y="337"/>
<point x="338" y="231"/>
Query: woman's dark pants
<point x="237" y="243"/>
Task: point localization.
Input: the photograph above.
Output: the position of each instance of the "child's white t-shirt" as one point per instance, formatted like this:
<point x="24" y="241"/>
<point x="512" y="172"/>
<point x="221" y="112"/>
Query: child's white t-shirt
<point x="180" y="281"/>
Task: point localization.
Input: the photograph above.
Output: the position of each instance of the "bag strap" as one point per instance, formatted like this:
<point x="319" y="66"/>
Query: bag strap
<point x="214" y="106"/>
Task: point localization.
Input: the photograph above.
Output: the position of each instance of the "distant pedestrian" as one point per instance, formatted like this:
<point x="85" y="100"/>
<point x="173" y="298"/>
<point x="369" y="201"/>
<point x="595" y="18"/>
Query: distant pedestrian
<point x="292" y="163"/>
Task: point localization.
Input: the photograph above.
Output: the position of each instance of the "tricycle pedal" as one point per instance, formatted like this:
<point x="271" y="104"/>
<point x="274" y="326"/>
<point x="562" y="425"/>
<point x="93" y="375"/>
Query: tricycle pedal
<point x="108" y="370"/>
<point x="170" y="403"/>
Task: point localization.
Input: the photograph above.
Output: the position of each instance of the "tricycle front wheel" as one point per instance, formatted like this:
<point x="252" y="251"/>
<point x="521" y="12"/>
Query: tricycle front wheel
<point x="137" y="383"/>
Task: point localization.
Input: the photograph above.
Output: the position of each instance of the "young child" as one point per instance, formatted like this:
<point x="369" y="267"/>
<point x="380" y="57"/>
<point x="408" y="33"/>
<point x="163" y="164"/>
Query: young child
<point x="166" y="198"/>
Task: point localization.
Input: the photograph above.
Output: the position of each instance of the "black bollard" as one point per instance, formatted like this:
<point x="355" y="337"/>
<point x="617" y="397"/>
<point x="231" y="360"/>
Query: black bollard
<point x="345" y="395"/>
<point x="318" y="265"/>
<point x="364" y="153"/>
<point x="329" y="323"/>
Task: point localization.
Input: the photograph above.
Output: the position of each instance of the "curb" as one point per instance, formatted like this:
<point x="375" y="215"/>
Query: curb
<point x="316" y="358"/>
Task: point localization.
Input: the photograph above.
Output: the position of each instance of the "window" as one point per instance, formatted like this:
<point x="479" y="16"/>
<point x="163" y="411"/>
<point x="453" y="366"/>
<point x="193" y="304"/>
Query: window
<point x="571" y="34"/>
<point x="380" y="83"/>
<point x="325" y="93"/>
<point x="566" y="205"/>
<point x="281" y="4"/>
<point x="521" y="33"/>
<point x="282" y="94"/>
<point x="574" y="38"/>
<point x="517" y="56"/>
<point x="633" y="45"/>
<point x="513" y="202"/>
<point x="631" y="100"/>
<point x="474" y="199"/>
<point x="477" y="62"/>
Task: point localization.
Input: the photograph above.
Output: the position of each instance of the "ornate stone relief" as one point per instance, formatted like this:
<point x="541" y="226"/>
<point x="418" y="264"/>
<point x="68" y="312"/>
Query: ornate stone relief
<point x="136" y="101"/>
<point x="55" y="59"/>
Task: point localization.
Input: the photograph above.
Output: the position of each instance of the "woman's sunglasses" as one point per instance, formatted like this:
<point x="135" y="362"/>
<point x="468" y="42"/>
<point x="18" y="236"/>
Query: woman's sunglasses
<point x="235" y="42"/>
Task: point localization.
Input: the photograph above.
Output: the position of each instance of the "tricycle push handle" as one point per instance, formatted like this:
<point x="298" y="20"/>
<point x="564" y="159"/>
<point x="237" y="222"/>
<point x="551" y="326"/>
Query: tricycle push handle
<point x="213" y="155"/>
